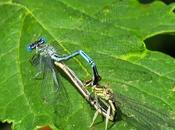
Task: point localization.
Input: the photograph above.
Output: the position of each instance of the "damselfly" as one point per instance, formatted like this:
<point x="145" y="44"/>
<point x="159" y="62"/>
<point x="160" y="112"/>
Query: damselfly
<point x="92" y="95"/>
<point x="46" y="58"/>
<point x="103" y="99"/>
<point x="82" y="88"/>
<point x="117" y="106"/>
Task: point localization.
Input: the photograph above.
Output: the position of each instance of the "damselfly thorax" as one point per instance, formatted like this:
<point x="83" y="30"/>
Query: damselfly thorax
<point x="105" y="100"/>
<point x="47" y="50"/>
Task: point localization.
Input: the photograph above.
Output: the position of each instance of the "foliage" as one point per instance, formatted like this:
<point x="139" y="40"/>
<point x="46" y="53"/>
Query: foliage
<point x="110" y="31"/>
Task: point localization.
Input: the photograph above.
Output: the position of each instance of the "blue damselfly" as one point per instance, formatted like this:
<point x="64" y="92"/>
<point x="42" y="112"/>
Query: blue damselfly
<point x="112" y="106"/>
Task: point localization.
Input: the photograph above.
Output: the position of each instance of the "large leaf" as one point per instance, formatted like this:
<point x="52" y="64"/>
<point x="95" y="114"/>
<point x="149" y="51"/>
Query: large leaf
<point x="111" y="32"/>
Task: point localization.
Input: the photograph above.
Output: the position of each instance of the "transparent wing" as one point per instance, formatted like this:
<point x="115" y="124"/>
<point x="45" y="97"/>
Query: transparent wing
<point x="36" y="63"/>
<point x="49" y="86"/>
<point x="52" y="87"/>
<point x="52" y="90"/>
<point x="35" y="59"/>
<point x="143" y="116"/>
<point x="63" y="102"/>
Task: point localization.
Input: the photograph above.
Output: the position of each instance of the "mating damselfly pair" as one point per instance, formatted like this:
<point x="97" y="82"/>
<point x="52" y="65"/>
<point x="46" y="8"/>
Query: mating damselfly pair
<point x="113" y="106"/>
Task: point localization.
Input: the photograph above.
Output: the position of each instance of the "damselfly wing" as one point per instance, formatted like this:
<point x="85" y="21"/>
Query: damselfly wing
<point x="52" y="90"/>
<point x="143" y="116"/>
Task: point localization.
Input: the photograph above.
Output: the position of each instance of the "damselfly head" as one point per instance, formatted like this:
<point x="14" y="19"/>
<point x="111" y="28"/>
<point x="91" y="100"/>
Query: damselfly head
<point x="35" y="44"/>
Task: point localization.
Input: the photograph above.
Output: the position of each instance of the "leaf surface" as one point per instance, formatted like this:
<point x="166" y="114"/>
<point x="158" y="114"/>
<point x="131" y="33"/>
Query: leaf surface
<point x="110" y="32"/>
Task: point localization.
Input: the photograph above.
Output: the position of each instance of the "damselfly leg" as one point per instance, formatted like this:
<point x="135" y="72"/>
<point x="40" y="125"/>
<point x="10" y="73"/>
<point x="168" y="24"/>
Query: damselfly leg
<point x="104" y="98"/>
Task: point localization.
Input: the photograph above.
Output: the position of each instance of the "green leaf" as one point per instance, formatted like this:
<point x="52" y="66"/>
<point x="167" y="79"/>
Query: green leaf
<point x="111" y="32"/>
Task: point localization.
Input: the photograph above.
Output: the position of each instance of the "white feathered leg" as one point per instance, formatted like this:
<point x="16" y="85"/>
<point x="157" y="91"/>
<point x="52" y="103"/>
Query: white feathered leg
<point x="107" y="117"/>
<point x="94" y="118"/>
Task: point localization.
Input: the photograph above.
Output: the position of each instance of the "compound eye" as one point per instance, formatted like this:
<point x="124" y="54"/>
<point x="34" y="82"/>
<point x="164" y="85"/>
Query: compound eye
<point x="42" y="40"/>
<point x="29" y="48"/>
